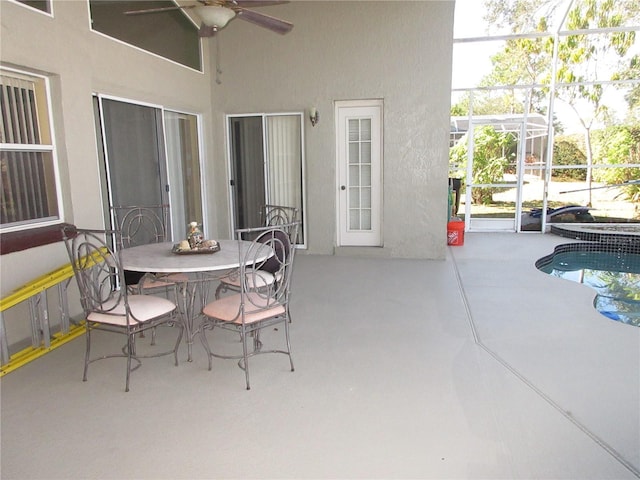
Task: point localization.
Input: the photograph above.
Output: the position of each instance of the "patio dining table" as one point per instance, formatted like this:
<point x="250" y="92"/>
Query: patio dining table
<point x="158" y="258"/>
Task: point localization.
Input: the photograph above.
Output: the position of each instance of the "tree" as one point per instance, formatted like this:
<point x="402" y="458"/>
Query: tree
<point x="632" y="72"/>
<point x="524" y="16"/>
<point x="523" y="61"/>
<point x="619" y="145"/>
<point x="566" y="152"/>
<point x="579" y="55"/>
<point x="487" y="103"/>
<point x="492" y="153"/>
<point x="578" y="62"/>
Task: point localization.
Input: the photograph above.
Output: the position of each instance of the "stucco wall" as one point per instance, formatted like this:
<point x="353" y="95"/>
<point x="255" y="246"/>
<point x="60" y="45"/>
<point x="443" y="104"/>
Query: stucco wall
<point x="82" y="63"/>
<point x="397" y="51"/>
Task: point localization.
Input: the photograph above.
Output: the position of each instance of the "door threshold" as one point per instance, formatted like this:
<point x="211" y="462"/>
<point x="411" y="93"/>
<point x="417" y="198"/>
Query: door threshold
<point x="377" y="252"/>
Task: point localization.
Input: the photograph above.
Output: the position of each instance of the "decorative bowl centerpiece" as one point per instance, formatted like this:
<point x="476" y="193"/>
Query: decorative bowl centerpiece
<point x="206" y="246"/>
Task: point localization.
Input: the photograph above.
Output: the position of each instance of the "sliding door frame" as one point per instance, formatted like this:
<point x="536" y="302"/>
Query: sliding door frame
<point x="230" y="167"/>
<point x="177" y="229"/>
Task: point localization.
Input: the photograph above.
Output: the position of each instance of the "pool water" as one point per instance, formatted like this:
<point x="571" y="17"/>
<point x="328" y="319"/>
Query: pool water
<point x="612" y="271"/>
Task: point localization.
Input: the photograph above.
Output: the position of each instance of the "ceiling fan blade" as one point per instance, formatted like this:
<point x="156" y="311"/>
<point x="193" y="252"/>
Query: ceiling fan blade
<point x="272" y="23"/>
<point x="157" y="10"/>
<point x="256" y="3"/>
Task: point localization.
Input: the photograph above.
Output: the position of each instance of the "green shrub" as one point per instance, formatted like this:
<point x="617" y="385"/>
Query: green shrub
<point x="618" y="145"/>
<point x="492" y="155"/>
<point x="566" y="152"/>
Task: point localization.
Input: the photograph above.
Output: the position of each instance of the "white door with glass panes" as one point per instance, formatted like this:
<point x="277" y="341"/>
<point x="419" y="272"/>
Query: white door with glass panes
<point x="359" y="172"/>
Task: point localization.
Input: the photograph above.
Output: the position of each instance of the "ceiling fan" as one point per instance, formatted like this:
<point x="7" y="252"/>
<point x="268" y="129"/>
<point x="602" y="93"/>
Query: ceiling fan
<point x="215" y="14"/>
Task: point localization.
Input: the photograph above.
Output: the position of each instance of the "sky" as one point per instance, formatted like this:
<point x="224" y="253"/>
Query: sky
<point x="471" y="61"/>
<point x="468" y="23"/>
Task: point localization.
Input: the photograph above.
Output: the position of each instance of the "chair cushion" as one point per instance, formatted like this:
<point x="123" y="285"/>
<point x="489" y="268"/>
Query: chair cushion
<point x="272" y="265"/>
<point x="227" y="309"/>
<point x="143" y="308"/>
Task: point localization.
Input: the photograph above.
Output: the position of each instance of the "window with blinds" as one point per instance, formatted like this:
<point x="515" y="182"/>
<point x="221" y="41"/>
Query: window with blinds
<point x="29" y="191"/>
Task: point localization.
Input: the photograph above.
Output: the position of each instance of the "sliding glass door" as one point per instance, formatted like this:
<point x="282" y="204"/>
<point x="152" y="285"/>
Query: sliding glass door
<point x="134" y="153"/>
<point x="266" y="165"/>
<point x="150" y="157"/>
<point x="248" y="191"/>
<point x="183" y="161"/>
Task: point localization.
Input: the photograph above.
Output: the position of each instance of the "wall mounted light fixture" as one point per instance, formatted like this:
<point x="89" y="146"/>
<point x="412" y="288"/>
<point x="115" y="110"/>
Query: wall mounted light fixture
<point x="314" y="116"/>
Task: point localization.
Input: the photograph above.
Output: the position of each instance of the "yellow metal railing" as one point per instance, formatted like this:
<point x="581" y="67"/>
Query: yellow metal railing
<point x="42" y="340"/>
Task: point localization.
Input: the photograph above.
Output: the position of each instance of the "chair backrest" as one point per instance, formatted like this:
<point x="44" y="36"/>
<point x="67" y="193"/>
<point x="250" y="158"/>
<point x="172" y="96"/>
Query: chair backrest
<point x="269" y="239"/>
<point x="273" y="215"/>
<point x="140" y="225"/>
<point x="97" y="270"/>
<point x="279" y="215"/>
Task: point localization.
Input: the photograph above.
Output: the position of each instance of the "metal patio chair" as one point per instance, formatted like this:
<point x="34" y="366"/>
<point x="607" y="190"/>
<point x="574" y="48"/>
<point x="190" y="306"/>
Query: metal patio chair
<point x="259" y="303"/>
<point x="141" y="225"/>
<point x="271" y="216"/>
<point x="107" y="303"/>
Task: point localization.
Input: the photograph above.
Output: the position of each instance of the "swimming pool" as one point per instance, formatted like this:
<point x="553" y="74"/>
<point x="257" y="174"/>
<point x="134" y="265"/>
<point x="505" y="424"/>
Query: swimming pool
<point x="613" y="271"/>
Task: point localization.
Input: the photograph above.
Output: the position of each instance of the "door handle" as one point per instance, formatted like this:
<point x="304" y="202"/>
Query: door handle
<point x="342" y="187"/>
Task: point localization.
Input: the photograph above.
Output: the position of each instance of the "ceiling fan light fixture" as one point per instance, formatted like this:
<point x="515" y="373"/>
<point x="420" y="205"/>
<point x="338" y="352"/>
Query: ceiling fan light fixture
<point x="214" y="15"/>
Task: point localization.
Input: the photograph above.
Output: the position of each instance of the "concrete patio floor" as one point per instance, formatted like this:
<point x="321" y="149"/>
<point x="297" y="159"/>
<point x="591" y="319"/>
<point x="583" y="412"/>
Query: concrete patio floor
<point x="479" y="366"/>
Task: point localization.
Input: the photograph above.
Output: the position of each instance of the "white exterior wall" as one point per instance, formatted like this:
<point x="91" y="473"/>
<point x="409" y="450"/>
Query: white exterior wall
<point x="341" y="50"/>
<point x="396" y="51"/>
<point x="82" y="63"/>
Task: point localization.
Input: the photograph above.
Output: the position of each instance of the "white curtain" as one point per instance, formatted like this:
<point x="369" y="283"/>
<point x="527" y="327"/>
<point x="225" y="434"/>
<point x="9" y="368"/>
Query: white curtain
<point x="284" y="160"/>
